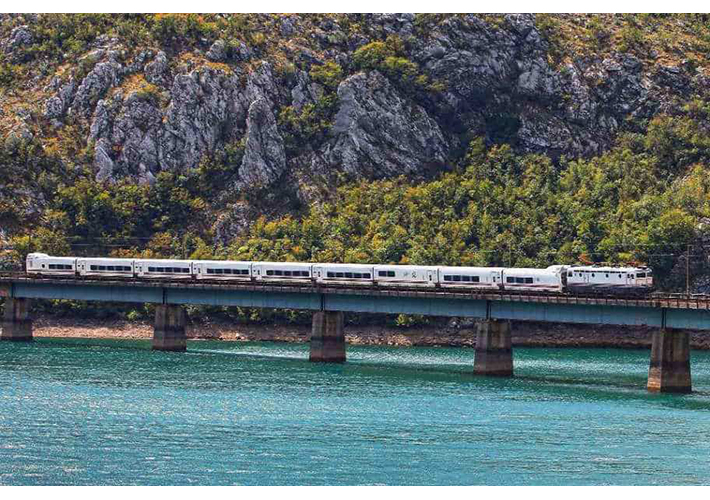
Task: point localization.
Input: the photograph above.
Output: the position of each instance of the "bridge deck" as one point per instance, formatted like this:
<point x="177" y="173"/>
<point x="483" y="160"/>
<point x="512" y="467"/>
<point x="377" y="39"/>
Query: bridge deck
<point x="661" y="310"/>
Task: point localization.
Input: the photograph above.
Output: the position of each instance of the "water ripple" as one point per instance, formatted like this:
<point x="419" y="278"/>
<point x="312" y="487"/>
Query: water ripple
<point x="88" y="412"/>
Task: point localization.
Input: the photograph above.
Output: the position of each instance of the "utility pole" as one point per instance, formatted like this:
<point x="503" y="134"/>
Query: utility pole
<point x="687" y="270"/>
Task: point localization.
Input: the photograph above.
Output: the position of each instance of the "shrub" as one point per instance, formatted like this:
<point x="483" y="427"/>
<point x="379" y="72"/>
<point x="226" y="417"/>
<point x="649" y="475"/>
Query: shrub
<point x="329" y="74"/>
<point x="372" y="55"/>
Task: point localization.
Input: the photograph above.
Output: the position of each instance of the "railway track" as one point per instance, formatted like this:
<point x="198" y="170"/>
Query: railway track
<point x="654" y="299"/>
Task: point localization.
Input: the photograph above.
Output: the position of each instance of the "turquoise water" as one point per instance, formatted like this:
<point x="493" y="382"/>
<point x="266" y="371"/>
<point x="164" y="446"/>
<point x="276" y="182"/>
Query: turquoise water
<point x="113" y="412"/>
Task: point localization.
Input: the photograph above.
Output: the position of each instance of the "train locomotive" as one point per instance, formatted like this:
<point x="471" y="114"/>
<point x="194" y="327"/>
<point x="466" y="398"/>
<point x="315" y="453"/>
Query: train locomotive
<point x="556" y="278"/>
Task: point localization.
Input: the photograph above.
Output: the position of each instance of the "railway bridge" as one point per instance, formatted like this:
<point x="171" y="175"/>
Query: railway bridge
<point x="671" y="315"/>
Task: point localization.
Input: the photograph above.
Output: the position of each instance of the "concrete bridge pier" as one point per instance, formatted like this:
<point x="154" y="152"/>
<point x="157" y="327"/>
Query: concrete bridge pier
<point x="328" y="337"/>
<point x="169" y="328"/>
<point x="16" y="322"/>
<point x="494" y="352"/>
<point x="669" y="370"/>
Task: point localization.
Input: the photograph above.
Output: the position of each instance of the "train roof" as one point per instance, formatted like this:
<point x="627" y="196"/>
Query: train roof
<point x="339" y="264"/>
<point x="609" y="269"/>
<point x="530" y="271"/>
<point x="398" y="266"/>
<point x="266" y="263"/>
<point x="472" y="269"/>
<point x="221" y="262"/>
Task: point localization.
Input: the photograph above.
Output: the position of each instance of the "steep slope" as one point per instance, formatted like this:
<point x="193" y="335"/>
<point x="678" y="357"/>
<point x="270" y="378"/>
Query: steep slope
<point x="175" y="133"/>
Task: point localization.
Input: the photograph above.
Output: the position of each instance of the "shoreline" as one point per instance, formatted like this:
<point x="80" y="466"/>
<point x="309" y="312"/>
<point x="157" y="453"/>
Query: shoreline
<point x="454" y="333"/>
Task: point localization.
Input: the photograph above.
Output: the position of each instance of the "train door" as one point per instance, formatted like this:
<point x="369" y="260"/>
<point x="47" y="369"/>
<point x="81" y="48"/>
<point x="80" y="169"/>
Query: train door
<point x="630" y="279"/>
<point x="430" y="276"/>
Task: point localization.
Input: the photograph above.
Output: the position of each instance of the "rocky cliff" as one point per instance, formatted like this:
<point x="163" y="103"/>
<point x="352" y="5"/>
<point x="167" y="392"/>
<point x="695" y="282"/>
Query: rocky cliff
<point x="288" y="105"/>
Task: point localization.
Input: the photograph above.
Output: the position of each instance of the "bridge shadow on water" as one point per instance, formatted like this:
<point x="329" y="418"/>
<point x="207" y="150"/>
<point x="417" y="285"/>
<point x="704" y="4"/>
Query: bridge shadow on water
<point x="562" y="380"/>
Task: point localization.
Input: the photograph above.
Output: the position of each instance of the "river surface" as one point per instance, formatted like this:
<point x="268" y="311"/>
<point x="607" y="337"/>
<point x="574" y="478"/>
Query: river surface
<point x="78" y="411"/>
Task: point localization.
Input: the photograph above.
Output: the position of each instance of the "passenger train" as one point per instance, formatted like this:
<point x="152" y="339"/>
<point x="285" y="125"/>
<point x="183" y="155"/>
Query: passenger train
<point x="557" y="278"/>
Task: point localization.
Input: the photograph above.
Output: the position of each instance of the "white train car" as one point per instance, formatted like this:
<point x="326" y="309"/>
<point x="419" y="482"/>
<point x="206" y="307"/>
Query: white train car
<point x="41" y="263"/>
<point x="603" y="278"/>
<point x="471" y="277"/>
<point x="222" y="270"/>
<point x="281" y="271"/>
<point x="105" y="267"/>
<point x="547" y="280"/>
<point x="351" y="274"/>
<point x="406" y="275"/>
<point x="163" y="268"/>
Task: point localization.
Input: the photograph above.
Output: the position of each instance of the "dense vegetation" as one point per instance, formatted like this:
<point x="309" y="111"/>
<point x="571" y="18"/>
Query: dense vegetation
<point x="644" y="201"/>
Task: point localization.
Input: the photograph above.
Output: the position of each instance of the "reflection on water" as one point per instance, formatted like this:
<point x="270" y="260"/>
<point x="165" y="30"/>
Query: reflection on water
<point x="77" y="411"/>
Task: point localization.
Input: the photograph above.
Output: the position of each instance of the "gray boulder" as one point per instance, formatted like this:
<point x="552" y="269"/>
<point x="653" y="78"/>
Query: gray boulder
<point x="95" y="85"/>
<point x="379" y="133"/>
<point x="207" y="110"/>
<point x="264" y="156"/>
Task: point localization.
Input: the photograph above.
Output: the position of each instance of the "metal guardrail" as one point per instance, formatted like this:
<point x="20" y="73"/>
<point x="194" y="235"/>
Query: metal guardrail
<point x="654" y="300"/>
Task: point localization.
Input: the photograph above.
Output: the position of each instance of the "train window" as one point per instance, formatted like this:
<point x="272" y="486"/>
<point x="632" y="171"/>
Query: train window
<point x="110" y="268"/>
<point x="570" y="274"/>
<point x="465" y="278"/>
<point x="93" y="268"/>
<point x="607" y="275"/>
<point x="269" y="273"/>
<point x="390" y="274"/>
<point x="287" y="273"/>
<point x="510" y="279"/>
<point x="520" y="280"/>
<point x="366" y="275"/>
<point x="348" y="275"/>
<point x="456" y="277"/>
<point x="448" y="277"/>
<point x="592" y="275"/>
<point x="476" y="279"/>
<point x="278" y="272"/>
<point x="186" y="270"/>
<point x="381" y="273"/>
<point x="530" y="280"/>
<point x="245" y="271"/>
<point x="338" y="275"/>
<point x="52" y="266"/>
<point x="331" y="275"/>
<point x="219" y="271"/>
<point x="641" y="275"/>
<point x="619" y="276"/>
<point x="357" y="275"/>
<point x="210" y="271"/>
<point x="151" y="269"/>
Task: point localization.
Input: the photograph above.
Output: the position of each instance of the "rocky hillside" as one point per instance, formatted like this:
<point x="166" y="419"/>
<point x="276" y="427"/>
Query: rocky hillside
<point x="174" y="134"/>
